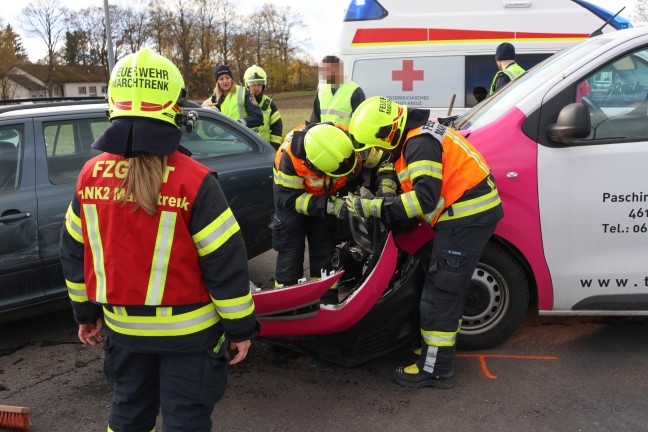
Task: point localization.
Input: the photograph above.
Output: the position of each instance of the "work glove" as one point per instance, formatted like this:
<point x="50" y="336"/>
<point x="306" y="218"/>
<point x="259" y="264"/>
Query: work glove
<point x="364" y="207"/>
<point x="387" y="188"/>
<point x="338" y="208"/>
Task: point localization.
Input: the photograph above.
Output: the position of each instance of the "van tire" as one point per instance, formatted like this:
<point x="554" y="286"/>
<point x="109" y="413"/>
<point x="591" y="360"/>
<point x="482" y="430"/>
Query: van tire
<point x="497" y="300"/>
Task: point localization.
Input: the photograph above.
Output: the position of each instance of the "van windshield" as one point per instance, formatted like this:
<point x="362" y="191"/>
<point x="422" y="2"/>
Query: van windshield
<point x="512" y="94"/>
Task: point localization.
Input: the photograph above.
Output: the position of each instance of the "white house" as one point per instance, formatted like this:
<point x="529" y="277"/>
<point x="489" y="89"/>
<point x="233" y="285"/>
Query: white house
<point x="30" y="81"/>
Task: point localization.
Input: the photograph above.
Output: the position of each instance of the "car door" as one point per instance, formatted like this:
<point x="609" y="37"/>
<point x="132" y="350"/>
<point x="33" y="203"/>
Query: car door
<point x="593" y="192"/>
<point x="62" y="148"/>
<point x="19" y="257"/>
<point x="243" y="162"/>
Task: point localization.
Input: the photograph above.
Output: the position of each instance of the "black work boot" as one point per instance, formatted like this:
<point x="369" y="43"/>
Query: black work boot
<point x="412" y="377"/>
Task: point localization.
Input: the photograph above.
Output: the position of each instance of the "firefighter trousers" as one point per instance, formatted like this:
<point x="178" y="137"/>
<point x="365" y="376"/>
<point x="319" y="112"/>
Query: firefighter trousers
<point x="289" y="233"/>
<point x="185" y="386"/>
<point x="454" y="257"/>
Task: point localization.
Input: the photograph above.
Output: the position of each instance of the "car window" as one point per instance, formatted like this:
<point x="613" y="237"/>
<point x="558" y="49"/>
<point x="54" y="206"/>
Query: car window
<point x="617" y="98"/>
<point x="212" y="138"/>
<point x="68" y="146"/>
<point x="11" y="150"/>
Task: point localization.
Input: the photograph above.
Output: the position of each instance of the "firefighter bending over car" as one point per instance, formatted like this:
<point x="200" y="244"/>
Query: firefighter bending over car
<point x="314" y="167"/>
<point x="151" y="248"/>
<point x="446" y="182"/>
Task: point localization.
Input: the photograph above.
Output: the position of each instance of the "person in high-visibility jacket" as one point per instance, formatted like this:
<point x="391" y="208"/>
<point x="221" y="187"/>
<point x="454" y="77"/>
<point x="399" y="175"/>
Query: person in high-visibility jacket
<point x="336" y="99"/>
<point x="151" y="248"/>
<point x="234" y="100"/>
<point x="509" y="70"/>
<point x="256" y="80"/>
<point x="445" y="182"/>
<point x="315" y="165"/>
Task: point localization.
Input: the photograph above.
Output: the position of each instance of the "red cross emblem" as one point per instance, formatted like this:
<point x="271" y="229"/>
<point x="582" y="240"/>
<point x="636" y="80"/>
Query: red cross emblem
<point x="407" y="75"/>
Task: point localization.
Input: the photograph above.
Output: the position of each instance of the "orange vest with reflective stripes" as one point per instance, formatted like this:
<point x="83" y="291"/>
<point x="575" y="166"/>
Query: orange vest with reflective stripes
<point x="315" y="185"/>
<point x="463" y="166"/>
<point x="132" y="258"/>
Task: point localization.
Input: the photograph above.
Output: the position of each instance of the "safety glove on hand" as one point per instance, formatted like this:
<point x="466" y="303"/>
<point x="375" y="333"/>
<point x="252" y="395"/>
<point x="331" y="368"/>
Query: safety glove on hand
<point x="364" y="207"/>
<point x="387" y="188"/>
<point x="337" y="207"/>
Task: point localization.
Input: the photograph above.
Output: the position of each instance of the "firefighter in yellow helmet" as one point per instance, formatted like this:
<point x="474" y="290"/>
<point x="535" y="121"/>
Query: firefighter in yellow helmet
<point x="312" y="167"/>
<point x="144" y="252"/>
<point x="445" y="182"/>
<point x="271" y="130"/>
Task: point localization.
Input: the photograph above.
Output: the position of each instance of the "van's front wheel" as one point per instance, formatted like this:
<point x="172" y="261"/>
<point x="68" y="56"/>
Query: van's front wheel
<point x="497" y="300"/>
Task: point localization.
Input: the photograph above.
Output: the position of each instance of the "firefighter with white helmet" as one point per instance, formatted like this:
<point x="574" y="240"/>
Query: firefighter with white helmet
<point x="151" y="248"/>
<point x="256" y="81"/>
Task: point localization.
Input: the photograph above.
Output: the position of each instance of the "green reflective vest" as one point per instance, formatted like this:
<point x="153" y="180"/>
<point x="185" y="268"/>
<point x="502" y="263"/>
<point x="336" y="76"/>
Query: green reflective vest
<point x="336" y="107"/>
<point x="513" y="71"/>
<point x="266" y="109"/>
<point x="234" y="104"/>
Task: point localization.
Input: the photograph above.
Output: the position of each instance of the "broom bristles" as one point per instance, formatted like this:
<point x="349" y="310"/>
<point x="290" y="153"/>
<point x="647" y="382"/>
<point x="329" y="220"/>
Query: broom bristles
<point x="16" y="418"/>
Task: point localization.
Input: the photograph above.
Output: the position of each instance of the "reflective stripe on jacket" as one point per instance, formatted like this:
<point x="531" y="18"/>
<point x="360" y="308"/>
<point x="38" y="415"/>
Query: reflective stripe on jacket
<point x="462" y="167"/>
<point x="336" y="107"/>
<point x="115" y="253"/>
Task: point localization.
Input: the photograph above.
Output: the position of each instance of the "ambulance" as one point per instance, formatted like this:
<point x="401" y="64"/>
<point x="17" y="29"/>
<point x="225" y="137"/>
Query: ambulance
<point x="432" y="54"/>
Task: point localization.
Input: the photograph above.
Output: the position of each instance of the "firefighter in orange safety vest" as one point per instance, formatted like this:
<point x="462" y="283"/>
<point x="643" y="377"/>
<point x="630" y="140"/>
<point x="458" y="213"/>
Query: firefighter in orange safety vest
<point x="151" y="248"/>
<point x="314" y="166"/>
<point x="445" y="182"/>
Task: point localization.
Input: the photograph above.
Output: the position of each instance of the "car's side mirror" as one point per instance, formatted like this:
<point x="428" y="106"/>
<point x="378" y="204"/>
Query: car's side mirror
<point x="573" y="123"/>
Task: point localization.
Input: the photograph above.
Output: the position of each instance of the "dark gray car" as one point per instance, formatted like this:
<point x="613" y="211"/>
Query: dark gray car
<point x="42" y="149"/>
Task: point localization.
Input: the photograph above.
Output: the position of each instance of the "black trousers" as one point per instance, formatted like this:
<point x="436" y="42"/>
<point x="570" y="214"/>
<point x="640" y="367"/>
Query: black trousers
<point x="454" y="257"/>
<point x="289" y="233"/>
<point x="185" y="386"/>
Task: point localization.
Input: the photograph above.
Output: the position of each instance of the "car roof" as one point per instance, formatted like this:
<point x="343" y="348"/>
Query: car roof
<point x="39" y="109"/>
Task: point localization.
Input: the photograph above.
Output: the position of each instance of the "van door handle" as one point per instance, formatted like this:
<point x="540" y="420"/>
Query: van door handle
<point x="12" y="217"/>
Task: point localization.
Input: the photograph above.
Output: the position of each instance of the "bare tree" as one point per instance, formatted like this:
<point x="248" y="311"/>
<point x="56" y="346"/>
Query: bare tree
<point x="228" y="26"/>
<point x="181" y="21"/>
<point x="134" y="24"/>
<point x="45" y="19"/>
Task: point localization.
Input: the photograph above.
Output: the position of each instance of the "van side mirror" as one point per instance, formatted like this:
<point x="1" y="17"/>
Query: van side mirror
<point x="573" y="123"/>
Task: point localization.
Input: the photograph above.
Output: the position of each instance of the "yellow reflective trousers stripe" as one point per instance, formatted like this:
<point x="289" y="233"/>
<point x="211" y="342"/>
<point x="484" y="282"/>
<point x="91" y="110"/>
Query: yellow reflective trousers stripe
<point x="216" y="233"/>
<point x="96" y="246"/>
<point x="167" y="325"/>
<point x="161" y="254"/>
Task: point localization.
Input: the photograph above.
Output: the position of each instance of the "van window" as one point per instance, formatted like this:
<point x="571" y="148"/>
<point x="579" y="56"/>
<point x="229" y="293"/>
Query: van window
<point x="68" y="146"/>
<point x="617" y="97"/>
<point x="11" y="145"/>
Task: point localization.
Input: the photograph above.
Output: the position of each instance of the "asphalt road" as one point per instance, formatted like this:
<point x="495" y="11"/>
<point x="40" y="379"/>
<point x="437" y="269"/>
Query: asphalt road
<point x="553" y="374"/>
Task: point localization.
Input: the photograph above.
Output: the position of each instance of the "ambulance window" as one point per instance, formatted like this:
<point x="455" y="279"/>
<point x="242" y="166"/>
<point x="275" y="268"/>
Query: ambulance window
<point x="364" y="10"/>
<point x="617" y="98"/>
<point x="480" y="71"/>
